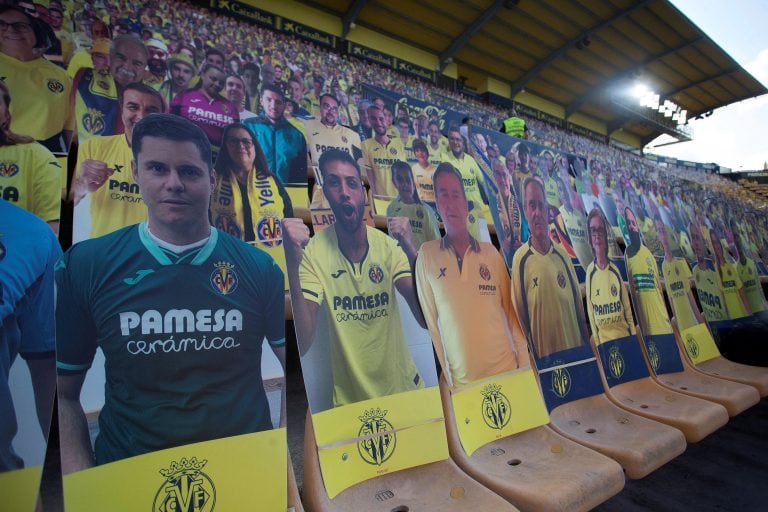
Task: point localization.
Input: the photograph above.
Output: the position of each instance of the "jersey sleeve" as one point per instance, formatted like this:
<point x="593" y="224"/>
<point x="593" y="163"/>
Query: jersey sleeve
<point x="75" y="330"/>
<point x="47" y="184"/>
<point x="427" y="301"/>
<point x="590" y="310"/>
<point x="517" y="285"/>
<point x="274" y="304"/>
<point x="36" y="320"/>
<point x="399" y="265"/>
<point x="309" y="277"/>
<point x="520" y="344"/>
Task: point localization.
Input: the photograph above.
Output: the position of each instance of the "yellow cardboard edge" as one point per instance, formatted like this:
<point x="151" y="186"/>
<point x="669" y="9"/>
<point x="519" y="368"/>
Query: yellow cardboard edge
<point x="401" y="410"/>
<point x="699" y="344"/>
<point x="498" y="407"/>
<point x="20" y="489"/>
<point x="232" y="473"/>
<point x="345" y="465"/>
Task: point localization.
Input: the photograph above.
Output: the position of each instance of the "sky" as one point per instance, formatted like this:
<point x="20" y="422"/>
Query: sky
<point x="734" y="136"/>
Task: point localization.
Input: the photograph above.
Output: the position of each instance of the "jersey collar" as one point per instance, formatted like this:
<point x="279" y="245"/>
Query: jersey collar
<point x="162" y="258"/>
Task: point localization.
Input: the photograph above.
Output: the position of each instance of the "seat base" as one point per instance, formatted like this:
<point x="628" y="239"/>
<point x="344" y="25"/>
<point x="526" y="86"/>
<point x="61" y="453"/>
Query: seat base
<point x="537" y="470"/>
<point x="755" y="376"/>
<point x="639" y="444"/>
<point x="734" y="396"/>
<point x="439" y="486"/>
<point x="695" y="417"/>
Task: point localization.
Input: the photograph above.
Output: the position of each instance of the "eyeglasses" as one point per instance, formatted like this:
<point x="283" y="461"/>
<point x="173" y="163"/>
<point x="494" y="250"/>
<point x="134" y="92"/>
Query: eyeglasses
<point x="234" y="142"/>
<point x="18" y="26"/>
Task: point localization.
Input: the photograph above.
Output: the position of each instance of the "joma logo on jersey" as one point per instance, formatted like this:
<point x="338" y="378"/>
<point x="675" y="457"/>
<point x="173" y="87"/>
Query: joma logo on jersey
<point x="380" y="440"/>
<point x="223" y="278"/>
<point x="496" y="407"/>
<point x="186" y="488"/>
<point x="616" y="363"/>
<point x="8" y="169"/>
<point x="180" y="321"/>
<point x="356" y="302"/>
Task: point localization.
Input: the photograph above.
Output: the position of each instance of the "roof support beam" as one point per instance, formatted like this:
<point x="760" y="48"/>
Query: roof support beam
<point x="600" y="89"/>
<point x="350" y="16"/>
<point x="527" y="78"/>
<point x="700" y="82"/>
<point x="616" y="124"/>
<point x="447" y="55"/>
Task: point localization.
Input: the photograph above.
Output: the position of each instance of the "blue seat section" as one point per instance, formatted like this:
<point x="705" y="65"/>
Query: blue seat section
<point x="663" y="353"/>
<point x="568" y="375"/>
<point x="622" y="360"/>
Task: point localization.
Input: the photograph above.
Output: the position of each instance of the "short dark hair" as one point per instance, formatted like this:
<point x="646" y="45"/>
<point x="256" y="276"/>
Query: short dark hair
<point x="327" y="95"/>
<point x="171" y="127"/>
<point x="252" y="66"/>
<point x="420" y="144"/>
<point x="400" y="166"/>
<point x="336" y="155"/>
<point x="266" y="86"/>
<point x="143" y="89"/>
<point x="447" y="168"/>
<point x="215" y="51"/>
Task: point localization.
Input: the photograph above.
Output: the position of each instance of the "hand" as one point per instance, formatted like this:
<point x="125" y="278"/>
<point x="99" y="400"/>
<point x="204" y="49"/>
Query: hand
<point x="295" y="239"/>
<point x="400" y="229"/>
<point x="94" y="173"/>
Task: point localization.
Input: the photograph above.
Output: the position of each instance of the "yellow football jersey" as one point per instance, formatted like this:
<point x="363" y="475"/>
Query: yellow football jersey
<point x="547" y="299"/>
<point x="468" y="310"/>
<point x="369" y="356"/>
<point x="118" y="203"/>
<point x="608" y="305"/>
<point x="40" y="99"/>
<point x="30" y="177"/>
<point x="650" y="307"/>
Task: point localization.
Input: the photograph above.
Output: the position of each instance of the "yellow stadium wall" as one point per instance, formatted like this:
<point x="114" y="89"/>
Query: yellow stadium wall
<point x="627" y="138"/>
<point x="301" y="13"/>
<point x="329" y="23"/>
<point x="538" y="103"/>
<point x="496" y="87"/>
<point x="589" y="123"/>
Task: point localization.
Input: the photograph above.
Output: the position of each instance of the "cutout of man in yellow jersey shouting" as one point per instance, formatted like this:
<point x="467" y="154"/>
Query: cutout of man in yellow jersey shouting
<point x="349" y="272"/>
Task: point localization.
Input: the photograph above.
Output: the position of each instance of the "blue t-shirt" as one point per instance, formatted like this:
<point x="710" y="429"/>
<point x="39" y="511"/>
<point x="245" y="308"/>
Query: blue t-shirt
<point x="28" y="253"/>
<point x="181" y="335"/>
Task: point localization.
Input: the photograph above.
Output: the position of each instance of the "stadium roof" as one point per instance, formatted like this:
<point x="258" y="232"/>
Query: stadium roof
<point x="574" y="53"/>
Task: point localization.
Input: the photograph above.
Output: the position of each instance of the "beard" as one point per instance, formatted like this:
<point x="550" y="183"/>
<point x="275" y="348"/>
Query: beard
<point x="156" y="66"/>
<point x="634" y="241"/>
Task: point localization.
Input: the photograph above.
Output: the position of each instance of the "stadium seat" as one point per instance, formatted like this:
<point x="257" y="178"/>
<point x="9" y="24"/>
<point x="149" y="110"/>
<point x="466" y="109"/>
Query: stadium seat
<point x="723" y="368"/>
<point x="639" y="444"/>
<point x="538" y="469"/>
<point x="695" y="417"/>
<point x="734" y="396"/>
<point x="440" y="486"/>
